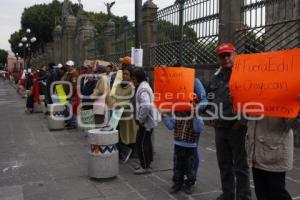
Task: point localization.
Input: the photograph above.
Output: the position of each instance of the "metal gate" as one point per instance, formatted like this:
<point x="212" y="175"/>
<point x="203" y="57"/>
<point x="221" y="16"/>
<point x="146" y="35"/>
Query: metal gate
<point x="268" y="25"/>
<point x="187" y="33"/>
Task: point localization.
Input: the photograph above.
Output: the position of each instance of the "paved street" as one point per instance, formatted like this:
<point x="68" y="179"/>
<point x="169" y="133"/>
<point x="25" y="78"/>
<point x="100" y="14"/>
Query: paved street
<point x="36" y="164"/>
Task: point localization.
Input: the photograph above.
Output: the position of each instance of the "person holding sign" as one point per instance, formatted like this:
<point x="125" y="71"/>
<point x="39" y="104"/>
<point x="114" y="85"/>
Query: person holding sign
<point x="229" y="132"/>
<point x="270" y="150"/>
<point x="127" y="126"/>
<point x="145" y="117"/>
<point x="187" y="128"/>
<point x="264" y="87"/>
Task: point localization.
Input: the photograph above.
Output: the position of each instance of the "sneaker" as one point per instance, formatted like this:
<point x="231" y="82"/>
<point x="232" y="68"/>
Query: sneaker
<point x="137" y="167"/>
<point x="127" y="155"/>
<point x="141" y="171"/>
<point x="189" y="190"/>
<point x="175" y="189"/>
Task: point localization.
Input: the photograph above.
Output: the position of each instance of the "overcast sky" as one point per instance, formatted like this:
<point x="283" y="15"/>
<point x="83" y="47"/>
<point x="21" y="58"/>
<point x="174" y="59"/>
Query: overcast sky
<point x="11" y="10"/>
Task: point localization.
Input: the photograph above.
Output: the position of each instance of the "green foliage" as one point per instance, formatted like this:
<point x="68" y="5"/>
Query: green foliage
<point x="169" y="32"/>
<point x="99" y="20"/>
<point x="3" y="57"/>
<point x="41" y="19"/>
<point x="14" y="40"/>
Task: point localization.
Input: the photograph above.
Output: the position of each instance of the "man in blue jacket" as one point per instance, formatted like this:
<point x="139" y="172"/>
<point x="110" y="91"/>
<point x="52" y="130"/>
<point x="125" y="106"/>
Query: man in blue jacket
<point x="230" y="131"/>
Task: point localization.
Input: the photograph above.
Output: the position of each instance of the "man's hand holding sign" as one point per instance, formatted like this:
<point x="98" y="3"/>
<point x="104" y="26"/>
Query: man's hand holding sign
<point x="267" y="83"/>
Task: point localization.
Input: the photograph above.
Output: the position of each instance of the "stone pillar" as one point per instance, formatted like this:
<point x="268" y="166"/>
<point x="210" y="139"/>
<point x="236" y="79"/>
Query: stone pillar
<point x="109" y="38"/>
<point x="230" y="19"/>
<point x="48" y="52"/>
<point x="57" y="44"/>
<point x="149" y="30"/>
<point x="86" y="33"/>
<point x="69" y="28"/>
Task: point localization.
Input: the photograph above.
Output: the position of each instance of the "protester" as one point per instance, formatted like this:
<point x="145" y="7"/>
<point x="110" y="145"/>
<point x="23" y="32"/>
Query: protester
<point x="201" y="105"/>
<point x="186" y="133"/>
<point x="101" y="97"/>
<point x="111" y="73"/>
<point x="71" y="76"/>
<point x="30" y="97"/>
<point x="145" y="116"/>
<point x="270" y="148"/>
<point x="229" y="133"/>
<point x="42" y="80"/>
<point x="87" y="86"/>
<point x="127" y="125"/>
<point x="36" y="88"/>
<point x="51" y="77"/>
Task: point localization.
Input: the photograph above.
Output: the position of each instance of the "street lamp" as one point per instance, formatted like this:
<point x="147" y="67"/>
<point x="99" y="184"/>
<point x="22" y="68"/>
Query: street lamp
<point x="17" y="57"/>
<point x="26" y="42"/>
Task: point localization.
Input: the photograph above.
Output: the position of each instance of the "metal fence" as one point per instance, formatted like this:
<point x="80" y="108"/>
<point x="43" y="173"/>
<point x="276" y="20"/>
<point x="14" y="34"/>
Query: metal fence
<point x="268" y="25"/>
<point x="187" y="33"/>
<point x="124" y="40"/>
<point x="124" y="37"/>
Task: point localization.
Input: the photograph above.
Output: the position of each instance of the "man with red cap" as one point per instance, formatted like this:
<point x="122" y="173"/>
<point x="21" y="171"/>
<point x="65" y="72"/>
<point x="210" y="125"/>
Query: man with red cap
<point x="230" y="132"/>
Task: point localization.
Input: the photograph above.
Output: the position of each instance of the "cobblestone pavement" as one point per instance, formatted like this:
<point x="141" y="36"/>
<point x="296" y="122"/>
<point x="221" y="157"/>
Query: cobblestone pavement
<point x="36" y="164"/>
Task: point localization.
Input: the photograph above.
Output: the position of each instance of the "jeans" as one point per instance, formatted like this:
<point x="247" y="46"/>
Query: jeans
<point x="233" y="165"/>
<point x="184" y="161"/>
<point x="270" y="185"/>
<point x="197" y="158"/>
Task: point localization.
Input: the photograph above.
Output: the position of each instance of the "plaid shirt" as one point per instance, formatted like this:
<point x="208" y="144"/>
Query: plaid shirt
<point x="184" y="131"/>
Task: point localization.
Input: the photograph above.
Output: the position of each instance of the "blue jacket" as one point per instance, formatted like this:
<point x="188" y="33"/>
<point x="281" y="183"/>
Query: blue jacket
<point x="198" y="126"/>
<point x="201" y="94"/>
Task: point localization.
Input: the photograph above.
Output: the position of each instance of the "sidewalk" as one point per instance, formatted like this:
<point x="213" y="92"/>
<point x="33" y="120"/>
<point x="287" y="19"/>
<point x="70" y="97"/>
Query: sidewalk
<point x="36" y="164"/>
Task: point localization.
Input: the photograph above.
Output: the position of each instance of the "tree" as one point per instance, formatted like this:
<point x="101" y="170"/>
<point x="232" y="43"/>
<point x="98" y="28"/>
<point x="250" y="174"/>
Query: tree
<point x="14" y="40"/>
<point x="41" y="19"/>
<point x="3" y="57"/>
<point x="99" y="20"/>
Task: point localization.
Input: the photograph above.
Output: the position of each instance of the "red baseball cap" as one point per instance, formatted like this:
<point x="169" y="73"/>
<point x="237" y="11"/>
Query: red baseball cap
<point x="225" y="48"/>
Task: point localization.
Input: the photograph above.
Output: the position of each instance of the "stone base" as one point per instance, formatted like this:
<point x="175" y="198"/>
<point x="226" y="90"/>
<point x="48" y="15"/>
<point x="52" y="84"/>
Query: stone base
<point x="55" y="124"/>
<point x="103" y="165"/>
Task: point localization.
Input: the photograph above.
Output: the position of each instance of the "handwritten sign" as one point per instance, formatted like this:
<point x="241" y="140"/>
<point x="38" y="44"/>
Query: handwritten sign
<point x="87" y="119"/>
<point x="173" y="88"/>
<point x="118" y="80"/>
<point x="270" y="81"/>
<point x="62" y="97"/>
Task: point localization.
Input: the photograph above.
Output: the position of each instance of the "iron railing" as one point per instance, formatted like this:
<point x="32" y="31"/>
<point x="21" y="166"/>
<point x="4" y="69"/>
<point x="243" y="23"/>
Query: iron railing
<point x="187" y="33"/>
<point x="268" y="25"/>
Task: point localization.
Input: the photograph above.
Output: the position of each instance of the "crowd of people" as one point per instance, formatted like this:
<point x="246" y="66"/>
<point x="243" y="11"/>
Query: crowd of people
<point x="264" y="145"/>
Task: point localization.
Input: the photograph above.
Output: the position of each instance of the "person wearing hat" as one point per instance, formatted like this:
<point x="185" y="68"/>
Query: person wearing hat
<point x="71" y="76"/>
<point x="229" y="133"/>
<point x="101" y="97"/>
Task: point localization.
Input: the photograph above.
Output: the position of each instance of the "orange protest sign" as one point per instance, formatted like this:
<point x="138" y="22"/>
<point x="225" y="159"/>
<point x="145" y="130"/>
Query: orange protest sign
<point x="173" y="88"/>
<point x="269" y="82"/>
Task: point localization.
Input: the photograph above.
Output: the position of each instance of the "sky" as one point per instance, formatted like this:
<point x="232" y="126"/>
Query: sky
<point x="11" y="11"/>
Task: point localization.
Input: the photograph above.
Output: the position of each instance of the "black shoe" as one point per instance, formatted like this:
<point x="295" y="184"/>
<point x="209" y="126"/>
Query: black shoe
<point x="189" y="190"/>
<point x="70" y="127"/>
<point x="175" y="189"/>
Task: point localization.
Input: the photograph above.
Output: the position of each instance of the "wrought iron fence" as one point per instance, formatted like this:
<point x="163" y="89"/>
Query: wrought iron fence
<point x="95" y="47"/>
<point x="268" y="25"/>
<point x="124" y="37"/>
<point x="187" y="33"/>
<point x="115" y="58"/>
